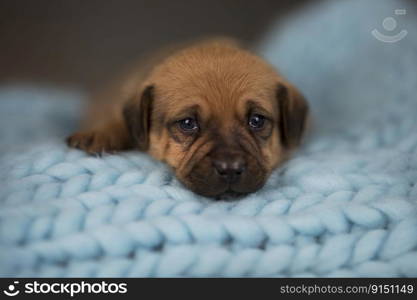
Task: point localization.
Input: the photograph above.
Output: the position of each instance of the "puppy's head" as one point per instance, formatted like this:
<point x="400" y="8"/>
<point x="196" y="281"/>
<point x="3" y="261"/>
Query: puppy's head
<point x="221" y="117"/>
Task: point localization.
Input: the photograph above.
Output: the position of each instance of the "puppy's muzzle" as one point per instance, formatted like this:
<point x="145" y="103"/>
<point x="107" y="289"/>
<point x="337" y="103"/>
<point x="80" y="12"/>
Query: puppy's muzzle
<point x="226" y="173"/>
<point x="229" y="166"/>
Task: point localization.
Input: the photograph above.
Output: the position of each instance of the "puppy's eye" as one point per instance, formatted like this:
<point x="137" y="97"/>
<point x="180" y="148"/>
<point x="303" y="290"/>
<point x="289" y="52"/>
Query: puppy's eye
<point x="188" y="125"/>
<point x="256" y="121"/>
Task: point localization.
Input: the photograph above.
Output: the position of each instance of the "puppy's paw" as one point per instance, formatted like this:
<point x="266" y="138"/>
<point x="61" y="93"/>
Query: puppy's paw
<point x="94" y="142"/>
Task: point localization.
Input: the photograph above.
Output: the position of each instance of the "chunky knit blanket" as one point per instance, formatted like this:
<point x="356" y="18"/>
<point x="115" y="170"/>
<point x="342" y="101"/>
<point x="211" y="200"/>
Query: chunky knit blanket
<point x="345" y="205"/>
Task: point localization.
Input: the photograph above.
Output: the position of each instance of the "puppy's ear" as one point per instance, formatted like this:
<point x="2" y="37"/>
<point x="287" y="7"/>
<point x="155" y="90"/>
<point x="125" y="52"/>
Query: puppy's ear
<point x="293" y="110"/>
<point x="137" y="113"/>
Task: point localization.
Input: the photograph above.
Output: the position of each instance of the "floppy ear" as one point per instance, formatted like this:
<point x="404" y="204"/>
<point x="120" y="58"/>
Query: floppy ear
<point x="292" y="110"/>
<point x="137" y="115"/>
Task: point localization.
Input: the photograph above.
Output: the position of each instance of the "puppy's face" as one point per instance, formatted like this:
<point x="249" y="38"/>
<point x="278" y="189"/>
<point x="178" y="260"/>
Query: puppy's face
<point x="221" y="118"/>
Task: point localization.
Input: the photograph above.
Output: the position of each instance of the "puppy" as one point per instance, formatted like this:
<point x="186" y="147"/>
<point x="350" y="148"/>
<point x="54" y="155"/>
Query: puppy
<point x="219" y="116"/>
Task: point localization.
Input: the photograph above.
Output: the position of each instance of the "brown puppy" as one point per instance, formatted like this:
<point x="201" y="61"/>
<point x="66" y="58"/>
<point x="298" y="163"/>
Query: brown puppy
<point x="219" y="116"/>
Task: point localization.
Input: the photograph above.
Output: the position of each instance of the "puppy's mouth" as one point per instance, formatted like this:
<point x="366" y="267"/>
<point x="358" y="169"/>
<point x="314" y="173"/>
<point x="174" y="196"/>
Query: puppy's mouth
<point x="206" y="180"/>
<point x="230" y="195"/>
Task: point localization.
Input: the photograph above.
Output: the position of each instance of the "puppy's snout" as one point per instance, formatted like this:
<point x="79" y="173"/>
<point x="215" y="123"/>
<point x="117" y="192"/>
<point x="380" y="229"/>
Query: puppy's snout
<point x="229" y="166"/>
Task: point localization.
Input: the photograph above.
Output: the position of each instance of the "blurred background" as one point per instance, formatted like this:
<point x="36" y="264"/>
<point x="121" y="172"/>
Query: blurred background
<point x="83" y="43"/>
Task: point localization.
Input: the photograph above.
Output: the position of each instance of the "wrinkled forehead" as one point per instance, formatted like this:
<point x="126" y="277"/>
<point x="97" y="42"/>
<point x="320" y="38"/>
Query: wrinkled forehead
<point x="215" y="96"/>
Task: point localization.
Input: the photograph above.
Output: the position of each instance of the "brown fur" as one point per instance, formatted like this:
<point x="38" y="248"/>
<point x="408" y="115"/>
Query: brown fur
<point x="218" y="83"/>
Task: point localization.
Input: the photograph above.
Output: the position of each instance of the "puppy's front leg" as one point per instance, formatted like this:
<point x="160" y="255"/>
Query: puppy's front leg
<point x="111" y="136"/>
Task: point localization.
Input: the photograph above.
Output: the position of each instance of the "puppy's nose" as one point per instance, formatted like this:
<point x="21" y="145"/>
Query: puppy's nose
<point x="230" y="168"/>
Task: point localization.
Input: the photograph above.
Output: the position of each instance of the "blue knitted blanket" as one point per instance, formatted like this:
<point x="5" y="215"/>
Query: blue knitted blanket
<point x="345" y="205"/>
